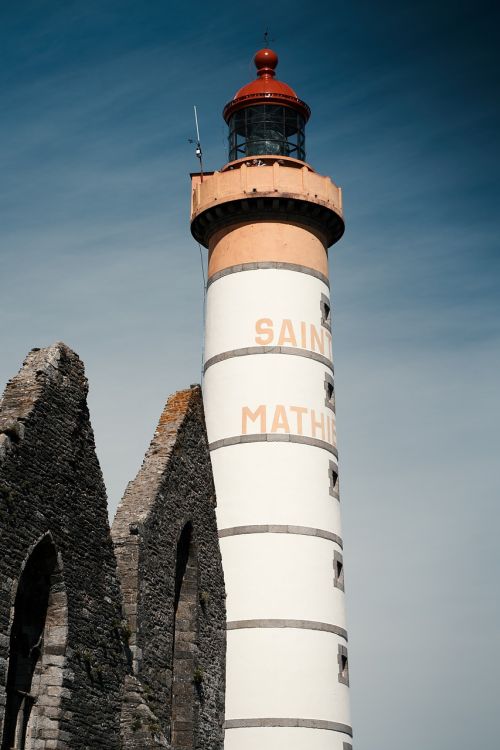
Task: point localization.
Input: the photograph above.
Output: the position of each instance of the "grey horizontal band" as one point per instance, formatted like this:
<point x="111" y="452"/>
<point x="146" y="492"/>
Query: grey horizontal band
<point x="332" y="726"/>
<point x="324" y="627"/>
<point x="268" y="265"/>
<point x="296" y="351"/>
<point x="280" y="529"/>
<point x="266" y="437"/>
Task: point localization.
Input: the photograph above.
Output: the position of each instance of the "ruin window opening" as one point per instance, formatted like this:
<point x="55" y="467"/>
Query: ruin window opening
<point x="38" y="631"/>
<point x="185" y="642"/>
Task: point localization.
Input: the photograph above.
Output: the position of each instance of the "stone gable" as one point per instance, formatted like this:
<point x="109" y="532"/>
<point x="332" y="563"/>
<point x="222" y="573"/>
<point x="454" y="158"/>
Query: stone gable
<point x="170" y="570"/>
<point x="62" y="658"/>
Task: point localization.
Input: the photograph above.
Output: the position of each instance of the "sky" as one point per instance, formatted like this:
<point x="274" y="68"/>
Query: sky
<point x="95" y="250"/>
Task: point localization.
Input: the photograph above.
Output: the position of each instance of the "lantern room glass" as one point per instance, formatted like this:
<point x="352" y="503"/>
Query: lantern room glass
<point x="266" y="130"/>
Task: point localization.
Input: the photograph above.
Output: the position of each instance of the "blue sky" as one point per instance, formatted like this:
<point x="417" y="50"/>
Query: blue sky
<point x="95" y="250"/>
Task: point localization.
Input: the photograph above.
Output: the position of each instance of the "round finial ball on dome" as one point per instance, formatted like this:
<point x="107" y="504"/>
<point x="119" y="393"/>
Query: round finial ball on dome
<point x="265" y="61"/>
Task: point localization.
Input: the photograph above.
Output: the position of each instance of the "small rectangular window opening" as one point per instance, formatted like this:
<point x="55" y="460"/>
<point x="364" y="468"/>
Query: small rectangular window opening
<point x="338" y="571"/>
<point x="329" y="392"/>
<point x="333" y="475"/>
<point x="325" y="312"/>
<point x="343" y="665"/>
<point x="346" y="746"/>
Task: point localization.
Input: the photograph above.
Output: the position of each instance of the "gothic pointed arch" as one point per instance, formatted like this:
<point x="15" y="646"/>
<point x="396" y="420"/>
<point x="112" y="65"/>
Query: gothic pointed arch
<point x="185" y="675"/>
<point x="37" y="646"/>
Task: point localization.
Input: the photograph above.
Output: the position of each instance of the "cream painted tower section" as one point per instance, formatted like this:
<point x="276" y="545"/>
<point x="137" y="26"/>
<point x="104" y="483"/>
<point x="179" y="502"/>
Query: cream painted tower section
<point x="270" y="413"/>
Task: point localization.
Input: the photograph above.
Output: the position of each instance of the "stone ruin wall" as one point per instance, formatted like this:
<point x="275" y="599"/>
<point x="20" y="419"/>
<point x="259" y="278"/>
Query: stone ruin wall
<point x="52" y="493"/>
<point x="144" y="674"/>
<point x="165" y="525"/>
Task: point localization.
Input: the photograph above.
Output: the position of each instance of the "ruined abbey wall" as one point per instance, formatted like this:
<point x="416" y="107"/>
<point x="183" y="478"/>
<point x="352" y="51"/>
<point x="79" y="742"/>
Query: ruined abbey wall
<point x="84" y="664"/>
<point x="170" y="570"/>
<point x="61" y="654"/>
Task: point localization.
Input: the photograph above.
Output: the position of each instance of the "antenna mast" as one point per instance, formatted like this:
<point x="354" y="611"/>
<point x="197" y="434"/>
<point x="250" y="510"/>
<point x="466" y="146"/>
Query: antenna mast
<point x="198" y="144"/>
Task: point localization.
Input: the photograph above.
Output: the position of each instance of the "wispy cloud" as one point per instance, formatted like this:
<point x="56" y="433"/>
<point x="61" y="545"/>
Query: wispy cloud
<point x="95" y="250"/>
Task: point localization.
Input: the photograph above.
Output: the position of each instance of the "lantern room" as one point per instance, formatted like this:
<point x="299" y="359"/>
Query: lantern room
<point x="266" y="117"/>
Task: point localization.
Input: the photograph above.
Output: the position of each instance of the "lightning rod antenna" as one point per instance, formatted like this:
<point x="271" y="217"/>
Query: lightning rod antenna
<point x="198" y="151"/>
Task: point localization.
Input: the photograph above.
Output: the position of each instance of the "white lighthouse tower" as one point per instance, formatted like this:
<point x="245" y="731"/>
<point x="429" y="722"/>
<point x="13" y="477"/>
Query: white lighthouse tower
<point x="268" y="219"/>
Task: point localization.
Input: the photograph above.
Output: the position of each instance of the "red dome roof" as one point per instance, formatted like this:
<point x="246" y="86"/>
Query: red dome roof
<point x="266" y="89"/>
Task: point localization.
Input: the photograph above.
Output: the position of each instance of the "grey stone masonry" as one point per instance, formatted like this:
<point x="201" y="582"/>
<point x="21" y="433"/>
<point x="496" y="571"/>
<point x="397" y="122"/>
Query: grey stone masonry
<point x="62" y="651"/>
<point x="169" y="565"/>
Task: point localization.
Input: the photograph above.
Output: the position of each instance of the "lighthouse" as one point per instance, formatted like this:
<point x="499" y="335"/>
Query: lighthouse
<point x="268" y="220"/>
